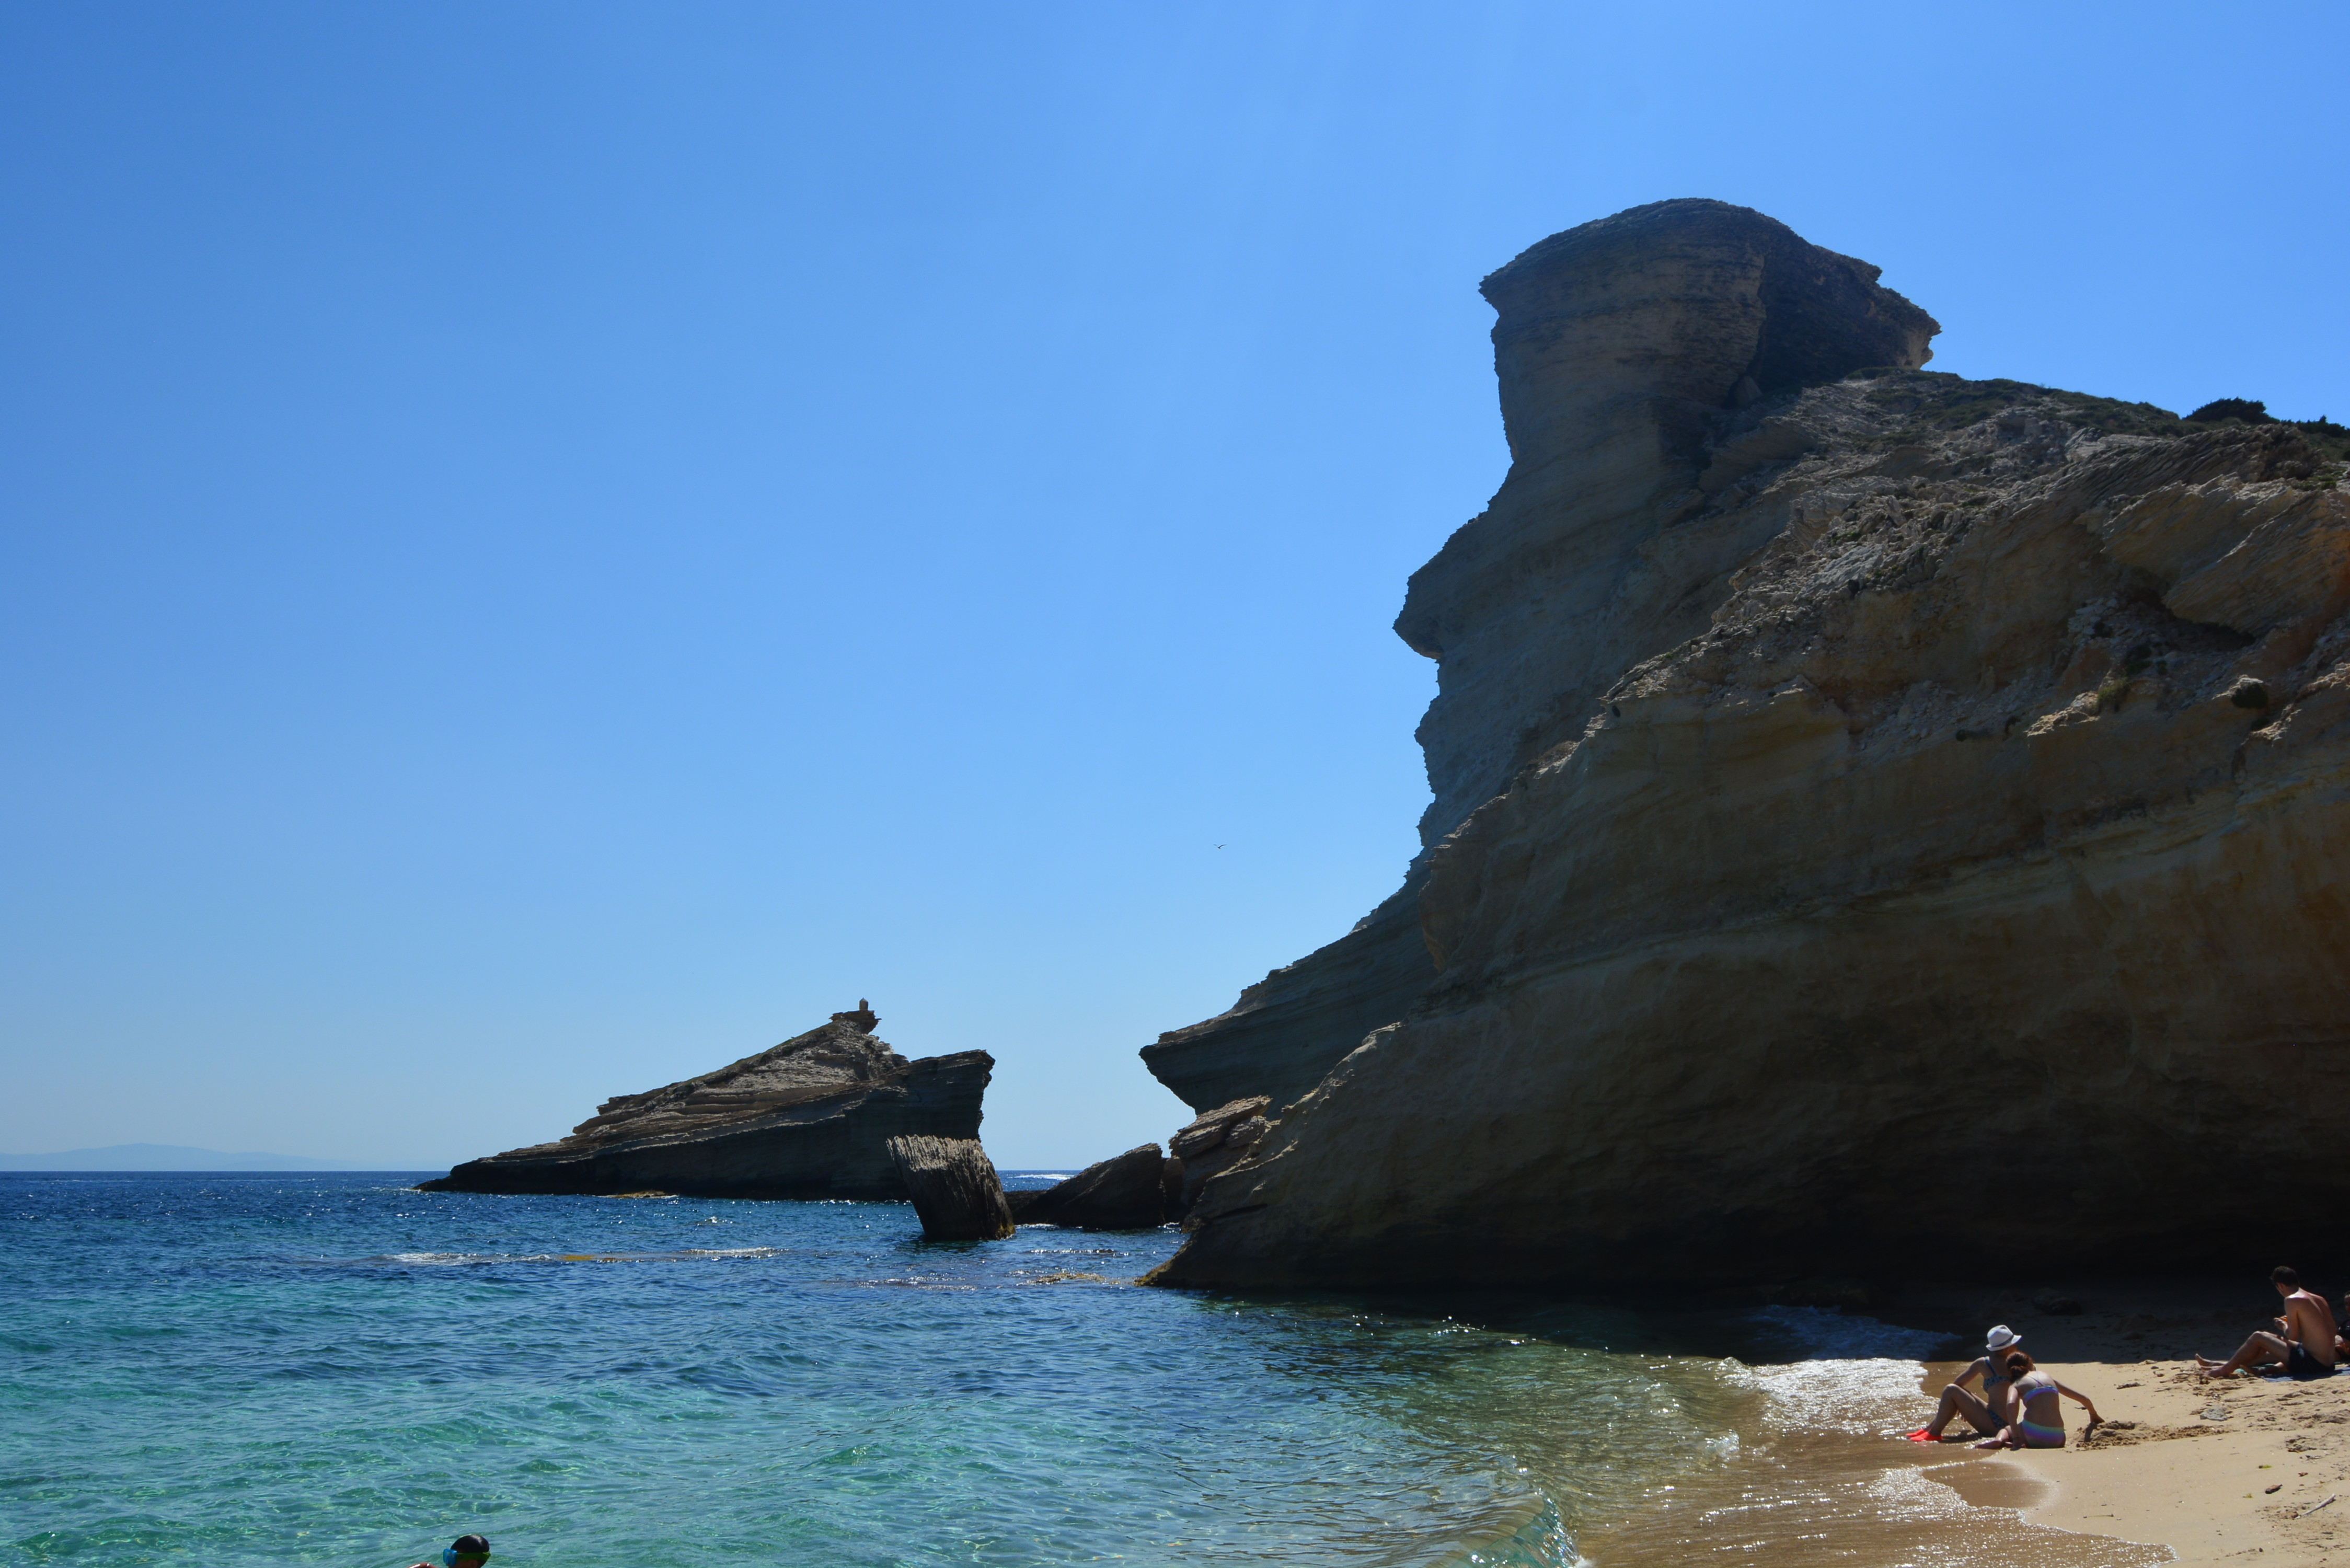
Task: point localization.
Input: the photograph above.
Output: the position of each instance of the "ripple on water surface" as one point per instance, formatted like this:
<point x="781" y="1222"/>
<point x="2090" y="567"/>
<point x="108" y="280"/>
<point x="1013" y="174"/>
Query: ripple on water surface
<point x="336" y="1369"/>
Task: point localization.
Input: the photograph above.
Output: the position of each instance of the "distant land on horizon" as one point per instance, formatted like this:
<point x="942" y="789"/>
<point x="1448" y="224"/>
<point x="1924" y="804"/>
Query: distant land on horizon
<point x="174" y="1157"/>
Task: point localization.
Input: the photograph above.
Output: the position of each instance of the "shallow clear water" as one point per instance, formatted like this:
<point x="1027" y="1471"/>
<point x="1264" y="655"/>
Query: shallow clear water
<point x="331" y="1368"/>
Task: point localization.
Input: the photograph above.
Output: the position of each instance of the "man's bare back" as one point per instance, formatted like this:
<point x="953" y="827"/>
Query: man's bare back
<point x="2308" y="1323"/>
<point x="2302" y="1344"/>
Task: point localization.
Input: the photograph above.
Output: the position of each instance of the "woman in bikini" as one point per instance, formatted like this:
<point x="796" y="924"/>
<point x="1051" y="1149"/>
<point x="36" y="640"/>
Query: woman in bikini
<point x="2039" y="1419"/>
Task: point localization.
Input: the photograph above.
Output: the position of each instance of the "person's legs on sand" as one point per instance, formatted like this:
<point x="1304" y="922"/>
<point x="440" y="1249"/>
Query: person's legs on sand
<point x="2258" y="1351"/>
<point x="1956" y="1401"/>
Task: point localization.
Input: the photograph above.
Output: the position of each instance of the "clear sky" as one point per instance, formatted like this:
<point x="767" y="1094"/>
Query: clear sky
<point x="550" y="546"/>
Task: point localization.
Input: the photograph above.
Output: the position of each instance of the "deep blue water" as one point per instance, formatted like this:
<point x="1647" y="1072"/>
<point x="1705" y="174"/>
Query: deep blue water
<point x="332" y="1368"/>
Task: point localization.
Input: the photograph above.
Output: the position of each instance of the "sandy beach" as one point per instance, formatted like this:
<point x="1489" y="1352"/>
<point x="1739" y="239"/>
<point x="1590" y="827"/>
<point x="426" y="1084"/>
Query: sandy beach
<point x="2182" y="1469"/>
<point x="2218" y="1471"/>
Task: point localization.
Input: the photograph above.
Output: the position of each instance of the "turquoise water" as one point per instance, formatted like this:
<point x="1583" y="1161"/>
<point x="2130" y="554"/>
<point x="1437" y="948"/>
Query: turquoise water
<point x="331" y="1368"/>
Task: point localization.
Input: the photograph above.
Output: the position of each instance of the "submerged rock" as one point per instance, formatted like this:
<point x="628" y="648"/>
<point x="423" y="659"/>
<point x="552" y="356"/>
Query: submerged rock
<point x="1846" y="775"/>
<point x="808" y="1118"/>
<point x="1127" y="1193"/>
<point x="955" y="1186"/>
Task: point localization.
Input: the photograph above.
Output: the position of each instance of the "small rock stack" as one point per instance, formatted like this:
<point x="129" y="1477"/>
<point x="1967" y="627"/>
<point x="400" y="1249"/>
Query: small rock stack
<point x="955" y="1186"/>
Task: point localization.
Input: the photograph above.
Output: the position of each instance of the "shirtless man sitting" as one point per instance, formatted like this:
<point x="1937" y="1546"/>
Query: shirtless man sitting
<point x="2302" y="1344"/>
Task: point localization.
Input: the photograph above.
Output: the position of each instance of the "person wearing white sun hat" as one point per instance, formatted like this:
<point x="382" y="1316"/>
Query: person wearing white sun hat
<point x="1989" y="1413"/>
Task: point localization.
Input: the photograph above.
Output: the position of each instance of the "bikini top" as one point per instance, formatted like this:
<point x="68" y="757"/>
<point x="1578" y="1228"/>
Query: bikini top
<point x="2032" y="1385"/>
<point x="1993" y="1377"/>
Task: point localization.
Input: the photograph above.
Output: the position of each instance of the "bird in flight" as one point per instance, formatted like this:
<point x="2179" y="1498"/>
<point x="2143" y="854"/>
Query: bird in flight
<point x="1219" y="847"/>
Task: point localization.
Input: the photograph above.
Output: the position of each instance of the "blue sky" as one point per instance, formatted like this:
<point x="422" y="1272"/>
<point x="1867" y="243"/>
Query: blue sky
<point x="545" y="548"/>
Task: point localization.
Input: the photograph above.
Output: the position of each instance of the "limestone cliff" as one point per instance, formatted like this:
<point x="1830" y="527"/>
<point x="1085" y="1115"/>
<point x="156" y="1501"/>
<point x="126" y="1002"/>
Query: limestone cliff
<point x="1883" y="822"/>
<point x="1619" y="346"/>
<point x="811" y="1118"/>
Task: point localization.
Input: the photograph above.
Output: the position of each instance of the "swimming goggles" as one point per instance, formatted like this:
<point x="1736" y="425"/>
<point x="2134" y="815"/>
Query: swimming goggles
<point x="451" y="1556"/>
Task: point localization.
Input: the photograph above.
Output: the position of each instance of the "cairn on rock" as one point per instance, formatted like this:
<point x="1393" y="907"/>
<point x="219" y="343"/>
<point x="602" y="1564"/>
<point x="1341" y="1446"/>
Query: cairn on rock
<point x="955" y="1187"/>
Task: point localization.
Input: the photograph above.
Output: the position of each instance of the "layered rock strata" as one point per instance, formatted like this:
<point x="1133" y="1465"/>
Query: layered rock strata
<point x="955" y="1187"/>
<point x="1884" y="822"/>
<point x="1215" y="1141"/>
<point x="1291" y="1027"/>
<point x="808" y="1118"/>
<point x="1621" y="347"/>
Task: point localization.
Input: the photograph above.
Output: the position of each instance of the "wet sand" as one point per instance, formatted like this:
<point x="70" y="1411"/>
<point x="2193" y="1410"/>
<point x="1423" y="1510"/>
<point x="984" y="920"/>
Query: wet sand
<point x="2184" y="1470"/>
<point x="2218" y="1471"/>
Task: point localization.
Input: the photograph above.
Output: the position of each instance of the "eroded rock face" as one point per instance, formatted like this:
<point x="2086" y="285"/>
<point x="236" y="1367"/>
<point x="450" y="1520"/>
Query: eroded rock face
<point x="1622" y="347"/>
<point x="955" y="1187"/>
<point x="1217" y="1140"/>
<point x="1291" y="1027"/>
<point x="808" y="1118"/>
<point x="1902" y="830"/>
<point x="1618" y="347"/>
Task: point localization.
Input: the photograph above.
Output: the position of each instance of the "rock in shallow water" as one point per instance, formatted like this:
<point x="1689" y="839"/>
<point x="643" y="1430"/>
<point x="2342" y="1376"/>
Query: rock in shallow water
<point x="955" y="1187"/>
<point x="1725" y="961"/>
<point x="808" y="1118"/>
<point x="1127" y="1193"/>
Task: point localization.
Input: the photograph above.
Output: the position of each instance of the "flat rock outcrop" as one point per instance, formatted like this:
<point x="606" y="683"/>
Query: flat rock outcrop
<point x="1883" y="822"/>
<point x="808" y="1118"/>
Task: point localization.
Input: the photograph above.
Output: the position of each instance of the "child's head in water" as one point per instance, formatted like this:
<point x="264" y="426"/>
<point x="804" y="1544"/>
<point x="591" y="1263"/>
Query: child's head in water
<point x="466" y="1552"/>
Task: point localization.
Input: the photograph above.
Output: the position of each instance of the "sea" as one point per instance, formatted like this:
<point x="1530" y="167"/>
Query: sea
<point x="333" y="1368"/>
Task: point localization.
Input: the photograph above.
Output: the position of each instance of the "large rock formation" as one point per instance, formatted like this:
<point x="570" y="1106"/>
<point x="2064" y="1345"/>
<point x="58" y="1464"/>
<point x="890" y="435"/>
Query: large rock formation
<point x="1883" y="823"/>
<point x="1619" y="346"/>
<point x="808" y="1118"/>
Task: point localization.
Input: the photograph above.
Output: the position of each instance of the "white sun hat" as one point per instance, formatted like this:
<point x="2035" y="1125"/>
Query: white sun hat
<point x="1999" y="1338"/>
